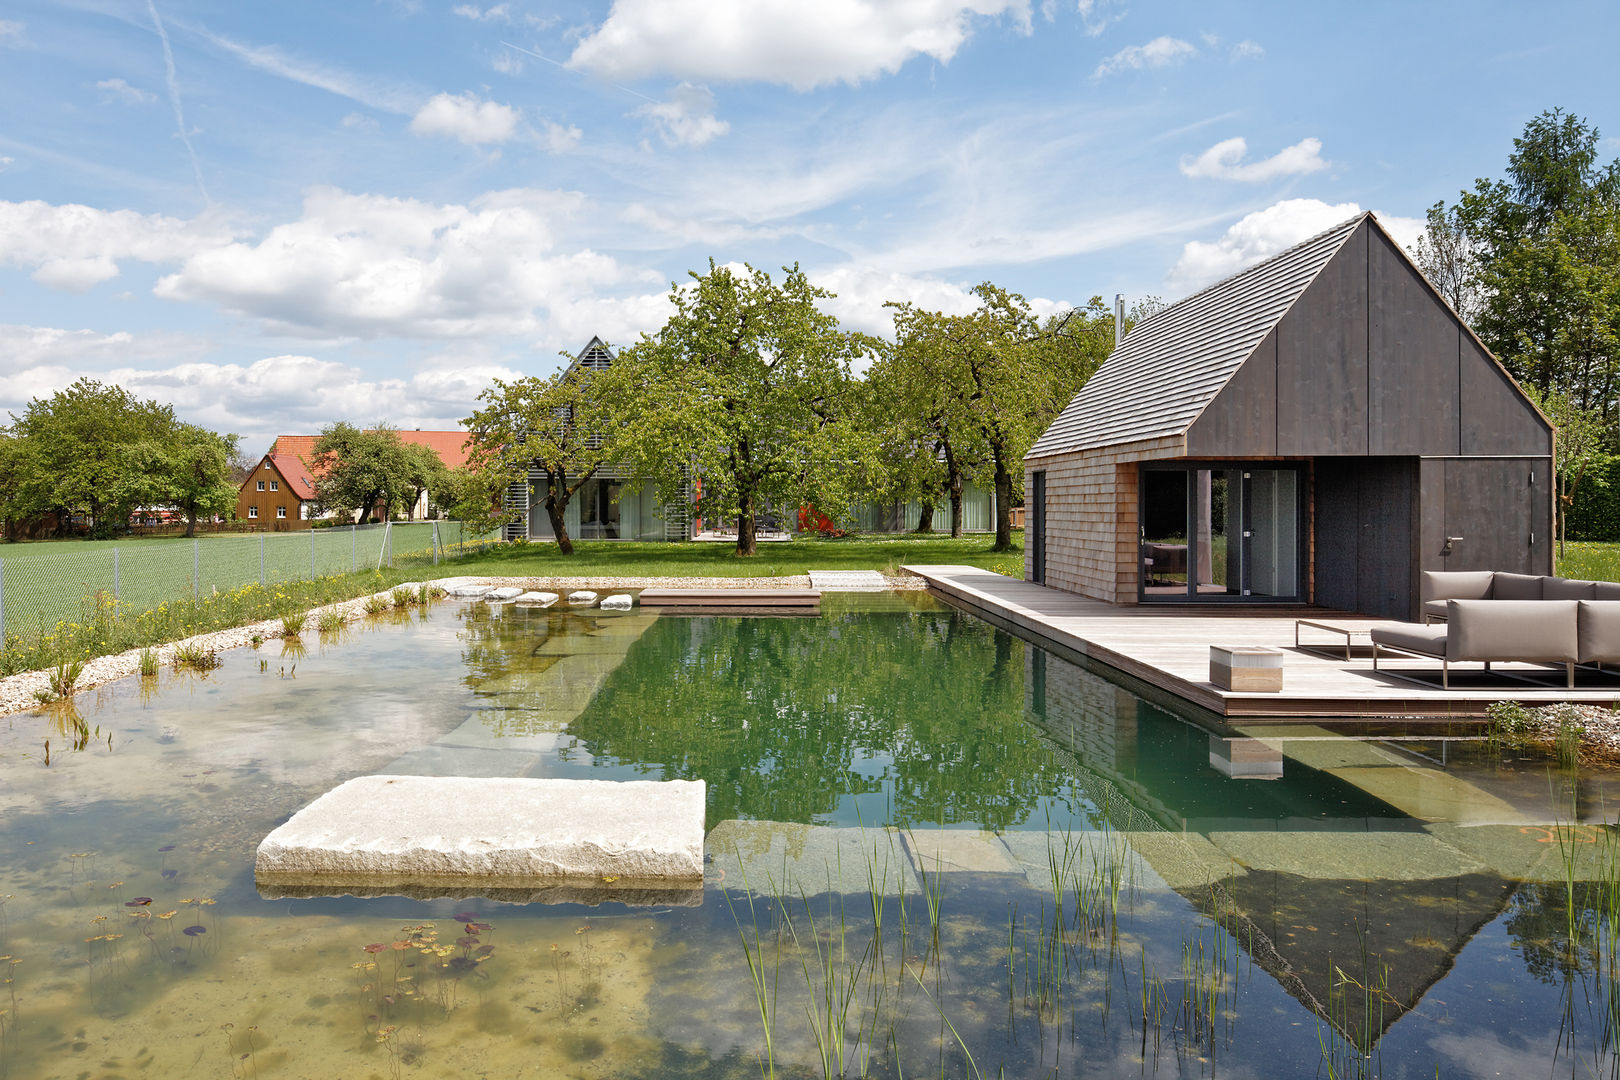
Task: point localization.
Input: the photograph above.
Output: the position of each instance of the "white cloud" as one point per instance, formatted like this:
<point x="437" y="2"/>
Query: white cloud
<point x="1223" y="161"/>
<point x="372" y="266"/>
<point x="466" y="117"/>
<point x="1247" y="50"/>
<point x="493" y="13"/>
<point x="114" y="90"/>
<point x="1096" y="15"/>
<point x="6" y="163"/>
<point x="559" y="138"/>
<point x="780" y="41"/>
<point x="507" y="62"/>
<point x="687" y="118"/>
<point x="11" y="31"/>
<point x="1265" y="232"/>
<point x="360" y="122"/>
<point x="75" y="247"/>
<point x="1158" y="53"/>
<point x="24" y="348"/>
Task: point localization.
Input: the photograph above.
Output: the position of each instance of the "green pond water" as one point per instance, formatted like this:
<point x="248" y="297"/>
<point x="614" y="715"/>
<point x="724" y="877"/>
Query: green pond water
<point x="935" y="850"/>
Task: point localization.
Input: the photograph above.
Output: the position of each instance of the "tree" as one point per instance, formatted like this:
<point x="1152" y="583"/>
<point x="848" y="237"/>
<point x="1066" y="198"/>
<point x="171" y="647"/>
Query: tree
<point x="985" y="384"/>
<point x="1579" y="450"/>
<point x="1547" y="243"/>
<point x="473" y="495"/>
<point x="188" y="470"/>
<point x="568" y="426"/>
<point x="1446" y="255"/>
<point x="75" y="452"/>
<point x="359" y="470"/>
<point x="747" y="387"/>
<point x="426" y="473"/>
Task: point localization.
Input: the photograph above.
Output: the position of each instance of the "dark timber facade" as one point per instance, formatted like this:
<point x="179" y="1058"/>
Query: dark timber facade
<point x="1318" y="428"/>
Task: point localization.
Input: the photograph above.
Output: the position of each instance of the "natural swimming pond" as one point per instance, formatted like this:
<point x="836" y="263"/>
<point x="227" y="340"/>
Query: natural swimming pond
<point x="937" y="850"/>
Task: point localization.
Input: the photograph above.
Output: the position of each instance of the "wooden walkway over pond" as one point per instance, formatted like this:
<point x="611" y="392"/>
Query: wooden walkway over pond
<point x="1168" y="648"/>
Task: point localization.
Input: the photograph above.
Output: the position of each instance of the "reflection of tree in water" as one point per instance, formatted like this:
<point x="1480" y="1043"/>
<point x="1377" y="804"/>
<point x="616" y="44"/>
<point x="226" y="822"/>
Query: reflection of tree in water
<point x="782" y="717"/>
<point x="1540" y="919"/>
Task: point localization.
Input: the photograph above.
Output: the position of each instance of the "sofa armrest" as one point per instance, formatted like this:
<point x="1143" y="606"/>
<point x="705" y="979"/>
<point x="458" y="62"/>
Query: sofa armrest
<point x="1456" y="584"/>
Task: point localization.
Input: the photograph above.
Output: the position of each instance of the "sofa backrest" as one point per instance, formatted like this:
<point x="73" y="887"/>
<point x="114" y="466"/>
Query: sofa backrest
<point x="1519" y="587"/>
<point x="1557" y="588"/>
<point x="1534" y="630"/>
<point x="1457" y="584"/>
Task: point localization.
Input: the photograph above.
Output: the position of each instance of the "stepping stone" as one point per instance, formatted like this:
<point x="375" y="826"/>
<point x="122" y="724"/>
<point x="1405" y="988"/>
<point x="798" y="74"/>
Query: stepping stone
<point x="541" y="599"/>
<point x="469" y="592"/>
<point x="508" y="831"/>
<point x="622" y="602"/>
<point x="503" y="594"/>
<point x="582" y="598"/>
<point x="955" y="851"/>
<point x="848" y="581"/>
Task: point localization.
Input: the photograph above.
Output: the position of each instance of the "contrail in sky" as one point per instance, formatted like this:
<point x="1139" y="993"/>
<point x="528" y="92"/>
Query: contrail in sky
<point x="174" y="98"/>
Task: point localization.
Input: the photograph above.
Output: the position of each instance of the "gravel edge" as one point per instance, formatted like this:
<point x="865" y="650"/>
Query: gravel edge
<point x="17" y="693"/>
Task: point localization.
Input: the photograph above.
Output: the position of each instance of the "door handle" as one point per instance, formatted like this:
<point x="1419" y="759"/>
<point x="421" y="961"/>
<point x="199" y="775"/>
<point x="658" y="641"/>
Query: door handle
<point x="1450" y="541"/>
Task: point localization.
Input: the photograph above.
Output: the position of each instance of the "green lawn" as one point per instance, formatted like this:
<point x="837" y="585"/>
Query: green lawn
<point x="1590" y="560"/>
<point x="617" y="558"/>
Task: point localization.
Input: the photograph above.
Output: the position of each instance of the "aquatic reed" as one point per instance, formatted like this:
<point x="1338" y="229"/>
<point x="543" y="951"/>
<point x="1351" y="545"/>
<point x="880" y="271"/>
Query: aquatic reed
<point x="292" y="623"/>
<point x="149" y="662"/>
<point x="330" y="621"/>
<point x="196" y="656"/>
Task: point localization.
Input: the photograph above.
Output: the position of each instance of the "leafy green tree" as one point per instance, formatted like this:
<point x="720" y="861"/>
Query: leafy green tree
<point x="1447" y="256"/>
<point x="474" y="495"/>
<point x="359" y="470"/>
<point x="74" y="453"/>
<point x="747" y="388"/>
<point x="1547" y="244"/>
<point x="188" y="469"/>
<point x="983" y="386"/>
<point x="568" y="426"/>
<point x="1579" y="450"/>
<point x="426" y="473"/>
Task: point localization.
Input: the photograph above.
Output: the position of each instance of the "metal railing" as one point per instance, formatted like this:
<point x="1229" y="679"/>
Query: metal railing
<point x="42" y="584"/>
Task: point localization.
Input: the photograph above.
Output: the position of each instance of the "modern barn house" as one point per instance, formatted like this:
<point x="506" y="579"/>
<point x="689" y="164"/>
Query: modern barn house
<point x="1318" y="428"/>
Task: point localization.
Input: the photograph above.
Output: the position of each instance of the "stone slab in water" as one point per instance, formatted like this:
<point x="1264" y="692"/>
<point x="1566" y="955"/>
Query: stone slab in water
<point x="469" y="592"/>
<point x="502" y="830"/>
<point x="503" y="594"/>
<point x="584" y="597"/>
<point x="543" y="599"/>
<point x="621" y="602"/>
<point x="633" y="892"/>
<point x="848" y="581"/>
<point x="952" y="851"/>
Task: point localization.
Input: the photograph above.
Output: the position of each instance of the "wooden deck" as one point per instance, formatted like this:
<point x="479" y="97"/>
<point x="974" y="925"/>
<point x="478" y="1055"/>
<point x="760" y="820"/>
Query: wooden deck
<point x="1168" y="648"/>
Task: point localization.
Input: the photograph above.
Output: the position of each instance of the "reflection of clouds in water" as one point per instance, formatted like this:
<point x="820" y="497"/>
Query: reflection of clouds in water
<point x="1483" y="1054"/>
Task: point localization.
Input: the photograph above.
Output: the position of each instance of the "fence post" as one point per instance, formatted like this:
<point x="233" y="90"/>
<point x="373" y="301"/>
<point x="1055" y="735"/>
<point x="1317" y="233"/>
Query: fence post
<point x="354" y="548"/>
<point x="196" y="575"/>
<point x="435" y="543"/>
<point x="312" y="554"/>
<point x="115" y="575"/>
<point x="261" y="560"/>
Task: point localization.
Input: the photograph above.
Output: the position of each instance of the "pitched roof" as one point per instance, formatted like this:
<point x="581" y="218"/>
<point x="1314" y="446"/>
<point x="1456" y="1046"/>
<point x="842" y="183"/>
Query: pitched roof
<point x="294" y="455"/>
<point x="595" y="356"/>
<point x="1173" y="363"/>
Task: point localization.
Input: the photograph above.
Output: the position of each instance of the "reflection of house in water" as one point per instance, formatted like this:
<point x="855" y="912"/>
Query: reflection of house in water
<point x="1311" y="874"/>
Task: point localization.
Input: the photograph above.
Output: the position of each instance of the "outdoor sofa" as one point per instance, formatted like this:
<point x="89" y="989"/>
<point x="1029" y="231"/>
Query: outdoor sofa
<point x="1566" y="632"/>
<point x="1440" y="586"/>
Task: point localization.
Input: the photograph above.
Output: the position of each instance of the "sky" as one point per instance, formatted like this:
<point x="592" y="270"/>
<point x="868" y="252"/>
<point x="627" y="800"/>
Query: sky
<point x="280" y="215"/>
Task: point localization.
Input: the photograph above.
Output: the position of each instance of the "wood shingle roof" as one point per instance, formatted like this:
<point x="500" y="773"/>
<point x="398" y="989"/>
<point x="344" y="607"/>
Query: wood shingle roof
<point x="1173" y="363"/>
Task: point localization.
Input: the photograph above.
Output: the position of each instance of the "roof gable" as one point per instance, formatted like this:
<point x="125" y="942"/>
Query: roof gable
<point x="1173" y="363"/>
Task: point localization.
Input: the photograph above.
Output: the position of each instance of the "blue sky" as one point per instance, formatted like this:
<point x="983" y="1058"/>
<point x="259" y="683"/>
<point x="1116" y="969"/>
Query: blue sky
<point x="278" y="215"/>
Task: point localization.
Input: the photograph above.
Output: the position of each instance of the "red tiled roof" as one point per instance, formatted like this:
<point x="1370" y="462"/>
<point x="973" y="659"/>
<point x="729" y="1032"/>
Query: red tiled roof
<point x="294" y="455"/>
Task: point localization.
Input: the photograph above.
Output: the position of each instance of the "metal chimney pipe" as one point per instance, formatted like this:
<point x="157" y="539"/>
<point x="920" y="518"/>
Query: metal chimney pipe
<point x="1119" y="318"/>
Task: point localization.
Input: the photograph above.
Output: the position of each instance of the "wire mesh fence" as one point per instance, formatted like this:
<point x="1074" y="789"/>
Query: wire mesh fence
<point x="46" y="584"/>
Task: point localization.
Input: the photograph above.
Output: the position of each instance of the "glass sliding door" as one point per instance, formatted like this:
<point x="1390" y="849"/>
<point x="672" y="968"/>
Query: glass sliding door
<point x="1220" y="533"/>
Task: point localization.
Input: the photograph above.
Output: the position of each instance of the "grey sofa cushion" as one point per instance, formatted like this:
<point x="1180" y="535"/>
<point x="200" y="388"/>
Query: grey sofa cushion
<point x="1608" y="590"/>
<point x="1456" y="584"/>
<point x="1517" y="587"/>
<point x="1534" y="630"/>
<point x="1599" y="627"/>
<point x="1428" y="640"/>
<point x="1557" y="588"/>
